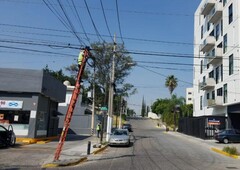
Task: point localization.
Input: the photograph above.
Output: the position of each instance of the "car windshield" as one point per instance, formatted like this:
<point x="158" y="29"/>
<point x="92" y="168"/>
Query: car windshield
<point x="120" y="132"/>
<point x="2" y="128"/>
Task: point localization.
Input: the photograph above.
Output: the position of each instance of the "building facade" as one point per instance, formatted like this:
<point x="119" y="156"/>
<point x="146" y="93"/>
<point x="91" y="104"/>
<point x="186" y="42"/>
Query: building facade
<point x="189" y="95"/>
<point x="216" y="60"/>
<point x="29" y="101"/>
<point x="81" y="121"/>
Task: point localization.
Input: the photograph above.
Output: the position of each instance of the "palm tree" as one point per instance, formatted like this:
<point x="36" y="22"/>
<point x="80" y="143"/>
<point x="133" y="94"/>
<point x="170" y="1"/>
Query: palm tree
<point x="171" y="83"/>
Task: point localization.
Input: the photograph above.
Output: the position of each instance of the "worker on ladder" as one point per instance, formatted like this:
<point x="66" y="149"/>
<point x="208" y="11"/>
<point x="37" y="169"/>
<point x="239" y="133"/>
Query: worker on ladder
<point x="80" y="58"/>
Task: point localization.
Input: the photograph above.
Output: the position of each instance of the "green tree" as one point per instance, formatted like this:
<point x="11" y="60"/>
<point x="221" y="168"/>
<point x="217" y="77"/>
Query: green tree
<point x="102" y="55"/>
<point x="59" y="75"/>
<point x="187" y="110"/>
<point x="165" y="108"/>
<point x="143" y="111"/>
<point x="130" y="112"/>
<point x="171" y="83"/>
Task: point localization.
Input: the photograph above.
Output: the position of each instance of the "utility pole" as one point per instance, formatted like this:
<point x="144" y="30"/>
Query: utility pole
<point x="111" y="91"/>
<point x="93" y="100"/>
<point x="120" y="114"/>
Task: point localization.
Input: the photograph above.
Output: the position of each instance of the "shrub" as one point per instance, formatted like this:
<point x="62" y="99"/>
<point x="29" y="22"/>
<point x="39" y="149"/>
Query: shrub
<point x="230" y="150"/>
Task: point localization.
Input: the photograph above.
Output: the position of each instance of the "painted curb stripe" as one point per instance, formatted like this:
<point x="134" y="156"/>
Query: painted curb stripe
<point x="224" y="153"/>
<point x="53" y="165"/>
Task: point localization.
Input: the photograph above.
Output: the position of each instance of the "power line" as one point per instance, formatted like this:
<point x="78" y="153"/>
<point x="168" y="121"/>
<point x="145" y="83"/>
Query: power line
<point x="38" y="51"/>
<point x="95" y="28"/>
<point x="119" y="25"/>
<point x="163" y="75"/>
<point x="106" y="20"/>
<point x="60" y="18"/>
<point x="127" y="38"/>
<point x="55" y="12"/>
<point x="80" y="21"/>
<point x="70" y="22"/>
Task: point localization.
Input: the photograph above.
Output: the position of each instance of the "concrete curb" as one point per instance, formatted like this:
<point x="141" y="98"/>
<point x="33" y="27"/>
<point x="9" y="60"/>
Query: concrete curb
<point x="64" y="163"/>
<point x="72" y="162"/>
<point x="100" y="149"/>
<point x="225" y="153"/>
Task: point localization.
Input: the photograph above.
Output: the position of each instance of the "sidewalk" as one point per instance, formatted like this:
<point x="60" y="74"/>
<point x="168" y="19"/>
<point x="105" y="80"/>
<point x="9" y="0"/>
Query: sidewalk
<point x="212" y="144"/>
<point x="75" y="152"/>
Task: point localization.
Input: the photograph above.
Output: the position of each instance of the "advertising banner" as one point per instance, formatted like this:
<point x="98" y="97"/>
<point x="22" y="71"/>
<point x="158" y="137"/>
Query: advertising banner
<point x="10" y="104"/>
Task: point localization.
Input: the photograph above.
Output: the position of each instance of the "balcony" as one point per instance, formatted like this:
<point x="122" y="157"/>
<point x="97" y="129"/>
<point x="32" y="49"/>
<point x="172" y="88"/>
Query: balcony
<point x="216" y="13"/>
<point x="207" y="7"/>
<point x="208" y="84"/>
<point x="215" y="58"/>
<point x="218" y="101"/>
<point x="208" y="43"/>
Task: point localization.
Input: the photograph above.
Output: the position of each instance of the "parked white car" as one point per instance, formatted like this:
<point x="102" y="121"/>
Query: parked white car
<point x="119" y="137"/>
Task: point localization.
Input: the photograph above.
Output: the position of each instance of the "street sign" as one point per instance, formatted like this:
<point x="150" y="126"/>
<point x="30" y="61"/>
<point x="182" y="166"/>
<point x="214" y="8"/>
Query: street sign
<point x="212" y="121"/>
<point x="104" y="109"/>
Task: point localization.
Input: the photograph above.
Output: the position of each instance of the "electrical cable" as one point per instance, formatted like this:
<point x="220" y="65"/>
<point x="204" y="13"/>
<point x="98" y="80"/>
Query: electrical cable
<point x="80" y="21"/>
<point x="105" y="19"/>
<point x="70" y="23"/>
<point x="119" y="25"/>
<point x="95" y="28"/>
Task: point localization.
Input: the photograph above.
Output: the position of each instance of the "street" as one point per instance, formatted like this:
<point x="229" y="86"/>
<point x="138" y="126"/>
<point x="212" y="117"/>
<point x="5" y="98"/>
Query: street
<point x="153" y="148"/>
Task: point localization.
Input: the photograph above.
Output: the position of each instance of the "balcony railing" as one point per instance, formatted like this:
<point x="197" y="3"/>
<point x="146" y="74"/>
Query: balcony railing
<point x="208" y="43"/>
<point x="209" y="83"/>
<point x="207" y="7"/>
<point x="218" y="101"/>
<point x="215" y="58"/>
<point x="216" y="13"/>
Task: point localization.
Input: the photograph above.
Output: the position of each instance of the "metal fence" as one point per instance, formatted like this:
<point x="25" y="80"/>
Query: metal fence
<point x="202" y="127"/>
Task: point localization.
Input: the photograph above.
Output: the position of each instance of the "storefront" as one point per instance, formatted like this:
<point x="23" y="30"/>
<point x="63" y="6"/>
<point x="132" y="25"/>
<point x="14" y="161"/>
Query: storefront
<point x="29" y="101"/>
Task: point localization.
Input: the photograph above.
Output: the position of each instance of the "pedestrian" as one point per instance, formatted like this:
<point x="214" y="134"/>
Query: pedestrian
<point x="98" y="128"/>
<point x="80" y="58"/>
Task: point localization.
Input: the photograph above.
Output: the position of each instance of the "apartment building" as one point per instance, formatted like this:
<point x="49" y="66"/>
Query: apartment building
<point x="217" y="60"/>
<point x="189" y="95"/>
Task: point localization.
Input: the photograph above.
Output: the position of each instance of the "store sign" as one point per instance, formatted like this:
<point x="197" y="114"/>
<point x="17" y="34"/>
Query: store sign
<point x="213" y="121"/>
<point x="10" y="104"/>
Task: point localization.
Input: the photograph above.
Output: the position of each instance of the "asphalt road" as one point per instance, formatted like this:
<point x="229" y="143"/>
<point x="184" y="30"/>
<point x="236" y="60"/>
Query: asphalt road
<point x="154" y="149"/>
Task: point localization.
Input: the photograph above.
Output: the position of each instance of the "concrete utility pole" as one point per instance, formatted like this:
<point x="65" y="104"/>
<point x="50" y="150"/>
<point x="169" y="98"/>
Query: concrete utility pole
<point x="111" y="91"/>
<point x="121" y="112"/>
<point x="93" y="101"/>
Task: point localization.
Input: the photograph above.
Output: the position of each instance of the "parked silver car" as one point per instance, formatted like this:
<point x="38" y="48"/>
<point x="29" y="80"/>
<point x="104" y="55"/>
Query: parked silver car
<point x="119" y="137"/>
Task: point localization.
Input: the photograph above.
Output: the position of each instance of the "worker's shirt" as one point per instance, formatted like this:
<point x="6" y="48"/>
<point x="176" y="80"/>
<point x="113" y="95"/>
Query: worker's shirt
<point x="80" y="58"/>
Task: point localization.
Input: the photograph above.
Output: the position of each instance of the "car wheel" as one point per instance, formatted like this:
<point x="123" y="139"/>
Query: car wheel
<point x="12" y="140"/>
<point x="225" y="140"/>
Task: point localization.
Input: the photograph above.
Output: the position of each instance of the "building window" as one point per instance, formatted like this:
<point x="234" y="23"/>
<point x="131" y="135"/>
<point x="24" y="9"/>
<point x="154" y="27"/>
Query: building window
<point x="224" y="43"/>
<point x="208" y="26"/>
<point x="221" y="28"/>
<point x="189" y="92"/>
<point x="224" y="2"/>
<point x="230" y="14"/>
<point x="201" y="107"/>
<point x="213" y="95"/>
<point x="221" y="72"/>
<point x="217" y="32"/>
<point x="201" y="69"/>
<point x="208" y="96"/>
<point x="201" y="31"/>
<point x="211" y="74"/>
<point x="225" y="93"/>
<point x="219" y="92"/>
<point x="189" y="99"/>
<point x="217" y="75"/>
<point x="231" y="64"/>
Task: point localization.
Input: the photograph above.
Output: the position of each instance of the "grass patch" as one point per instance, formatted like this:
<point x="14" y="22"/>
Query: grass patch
<point x="230" y="150"/>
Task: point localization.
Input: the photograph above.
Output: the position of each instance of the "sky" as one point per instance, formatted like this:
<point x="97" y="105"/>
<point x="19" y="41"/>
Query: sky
<point x="33" y="33"/>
